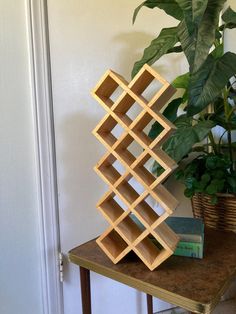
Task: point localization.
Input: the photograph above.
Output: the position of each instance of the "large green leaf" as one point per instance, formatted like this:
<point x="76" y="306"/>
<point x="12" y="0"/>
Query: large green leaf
<point x="158" y="47"/>
<point x="229" y="17"/>
<point x="188" y="42"/>
<point x="181" y="81"/>
<point x="197" y="43"/>
<point x="193" y="11"/>
<point x="175" y="49"/>
<point x="169" y="6"/>
<point x="206" y="32"/>
<point x="170" y="113"/>
<point x="218" y="51"/>
<point x="186" y="136"/>
<point x="207" y="83"/>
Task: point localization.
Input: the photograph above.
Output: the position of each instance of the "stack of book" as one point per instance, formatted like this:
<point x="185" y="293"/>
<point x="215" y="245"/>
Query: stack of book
<point x="191" y="233"/>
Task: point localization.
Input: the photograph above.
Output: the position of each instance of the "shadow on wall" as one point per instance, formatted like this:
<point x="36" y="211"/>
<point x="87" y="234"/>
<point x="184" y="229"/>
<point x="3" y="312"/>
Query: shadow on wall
<point x="80" y="221"/>
<point x="133" y="45"/>
<point x="81" y="186"/>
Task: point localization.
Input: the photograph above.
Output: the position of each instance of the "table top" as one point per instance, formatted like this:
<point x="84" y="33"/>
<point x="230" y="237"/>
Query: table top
<point x="194" y="284"/>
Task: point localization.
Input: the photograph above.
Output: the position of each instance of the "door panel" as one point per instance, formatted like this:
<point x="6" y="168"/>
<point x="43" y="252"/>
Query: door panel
<point x="20" y="267"/>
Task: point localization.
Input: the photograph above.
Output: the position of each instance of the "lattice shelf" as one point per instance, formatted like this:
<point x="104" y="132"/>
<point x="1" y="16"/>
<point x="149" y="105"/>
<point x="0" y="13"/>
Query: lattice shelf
<point x="133" y="189"/>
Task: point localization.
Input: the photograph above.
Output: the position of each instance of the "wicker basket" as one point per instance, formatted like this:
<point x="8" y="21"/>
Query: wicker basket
<point x="221" y="216"/>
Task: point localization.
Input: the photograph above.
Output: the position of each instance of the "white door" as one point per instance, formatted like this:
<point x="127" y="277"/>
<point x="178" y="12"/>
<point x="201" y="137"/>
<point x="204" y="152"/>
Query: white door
<point x="22" y="287"/>
<point x="86" y="38"/>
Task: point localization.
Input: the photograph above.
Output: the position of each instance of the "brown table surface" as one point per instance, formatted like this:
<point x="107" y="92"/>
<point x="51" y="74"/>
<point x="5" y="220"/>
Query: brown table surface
<point x="193" y="284"/>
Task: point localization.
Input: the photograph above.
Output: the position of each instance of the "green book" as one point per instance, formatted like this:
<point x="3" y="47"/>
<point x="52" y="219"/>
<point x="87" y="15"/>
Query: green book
<point x="188" y="229"/>
<point x="189" y="249"/>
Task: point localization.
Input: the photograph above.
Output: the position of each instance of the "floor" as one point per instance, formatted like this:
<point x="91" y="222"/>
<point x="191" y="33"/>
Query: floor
<point x="226" y="307"/>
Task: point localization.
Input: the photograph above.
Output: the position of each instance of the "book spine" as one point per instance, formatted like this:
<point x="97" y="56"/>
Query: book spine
<point x="191" y="238"/>
<point x="189" y="249"/>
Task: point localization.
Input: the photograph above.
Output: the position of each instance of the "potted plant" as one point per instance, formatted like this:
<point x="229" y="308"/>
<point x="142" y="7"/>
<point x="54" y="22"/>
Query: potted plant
<point x="207" y="162"/>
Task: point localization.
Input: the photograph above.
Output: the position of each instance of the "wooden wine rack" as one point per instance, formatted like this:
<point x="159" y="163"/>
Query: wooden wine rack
<point x="124" y="205"/>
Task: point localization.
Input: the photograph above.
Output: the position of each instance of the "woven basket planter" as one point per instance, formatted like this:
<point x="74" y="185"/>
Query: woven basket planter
<point x="221" y="216"/>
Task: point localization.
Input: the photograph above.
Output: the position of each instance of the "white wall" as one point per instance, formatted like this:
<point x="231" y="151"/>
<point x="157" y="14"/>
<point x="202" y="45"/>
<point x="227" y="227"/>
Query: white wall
<point x="87" y="37"/>
<point x="20" y="290"/>
<point x="230" y="42"/>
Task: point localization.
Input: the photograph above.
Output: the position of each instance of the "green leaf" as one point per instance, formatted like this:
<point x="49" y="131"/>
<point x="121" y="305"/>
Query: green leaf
<point x="207" y="31"/>
<point x="199" y="187"/>
<point x="232" y="182"/>
<point x="193" y="11"/>
<point x="218" y="34"/>
<point x="179" y="174"/>
<point x="207" y="83"/>
<point x="217" y="163"/>
<point x="191" y="169"/>
<point x="182" y="140"/>
<point x="175" y="49"/>
<point x="218" y="105"/>
<point x="211" y="162"/>
<point x="205" y="177"/>
<point x="219" y="174"/>
<point x="158" y="47"/>
<point x="219" y="184"/>
<point x="181" y="81"/>
<point x="199" y="148"/>
<point x="229" y="16"/>
<point x="188" y="193"/>
<point x="157" y="169"/>
<point x="187" y="41"/>
<point x="229" y="25"/>
<point x="189" y="182"/>
<point x="214" y="199"/>
<point x="218" y="51"/>
<point x="197" y="43"/>
<point x="211" y="189"/>
<point x="170" y="113"/>
<point x="169" y="6"/>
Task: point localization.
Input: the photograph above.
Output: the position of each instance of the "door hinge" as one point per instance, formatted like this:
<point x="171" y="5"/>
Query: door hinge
<point x="61" y="268"/>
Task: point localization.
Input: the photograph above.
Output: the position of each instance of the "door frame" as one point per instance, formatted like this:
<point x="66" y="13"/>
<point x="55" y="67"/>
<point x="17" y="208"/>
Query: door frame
<point x="42" y="110"/>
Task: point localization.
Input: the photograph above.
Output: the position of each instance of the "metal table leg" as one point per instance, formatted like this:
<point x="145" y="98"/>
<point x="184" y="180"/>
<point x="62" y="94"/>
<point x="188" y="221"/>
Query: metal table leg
<point x="85" y="290"/>
<point x="149" y="304"/>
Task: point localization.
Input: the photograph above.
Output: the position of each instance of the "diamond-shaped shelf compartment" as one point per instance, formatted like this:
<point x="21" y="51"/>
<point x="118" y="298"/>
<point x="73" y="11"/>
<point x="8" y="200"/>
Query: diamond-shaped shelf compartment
<point x="134" y="192"/>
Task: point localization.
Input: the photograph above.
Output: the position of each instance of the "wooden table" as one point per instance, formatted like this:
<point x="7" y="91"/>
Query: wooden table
<point x="195" y="285"/>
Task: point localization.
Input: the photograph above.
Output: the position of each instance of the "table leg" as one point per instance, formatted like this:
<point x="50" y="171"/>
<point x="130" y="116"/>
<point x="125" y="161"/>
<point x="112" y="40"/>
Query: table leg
<point x="149" y="304"/>
<point x="85" y="290"/>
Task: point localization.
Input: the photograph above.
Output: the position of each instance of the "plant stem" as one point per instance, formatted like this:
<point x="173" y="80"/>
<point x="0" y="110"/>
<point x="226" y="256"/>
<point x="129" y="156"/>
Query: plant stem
<point x="213" y="143"/>
<point x="221" y="137"/>
<point x="228" y="114"/>
<point x="229" y="135"/>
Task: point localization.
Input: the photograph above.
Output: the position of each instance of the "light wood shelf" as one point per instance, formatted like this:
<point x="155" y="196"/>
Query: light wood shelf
<point x="114" y="244"/>
<point x="148" y="251"/>
<point x="106" y="169"/>
<point x="145" y="213"/>
<point x="111" y="209"/>
<point x="129" y="229"/>
<point x="134" y="106"/>
<point x="128" y="192"/>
